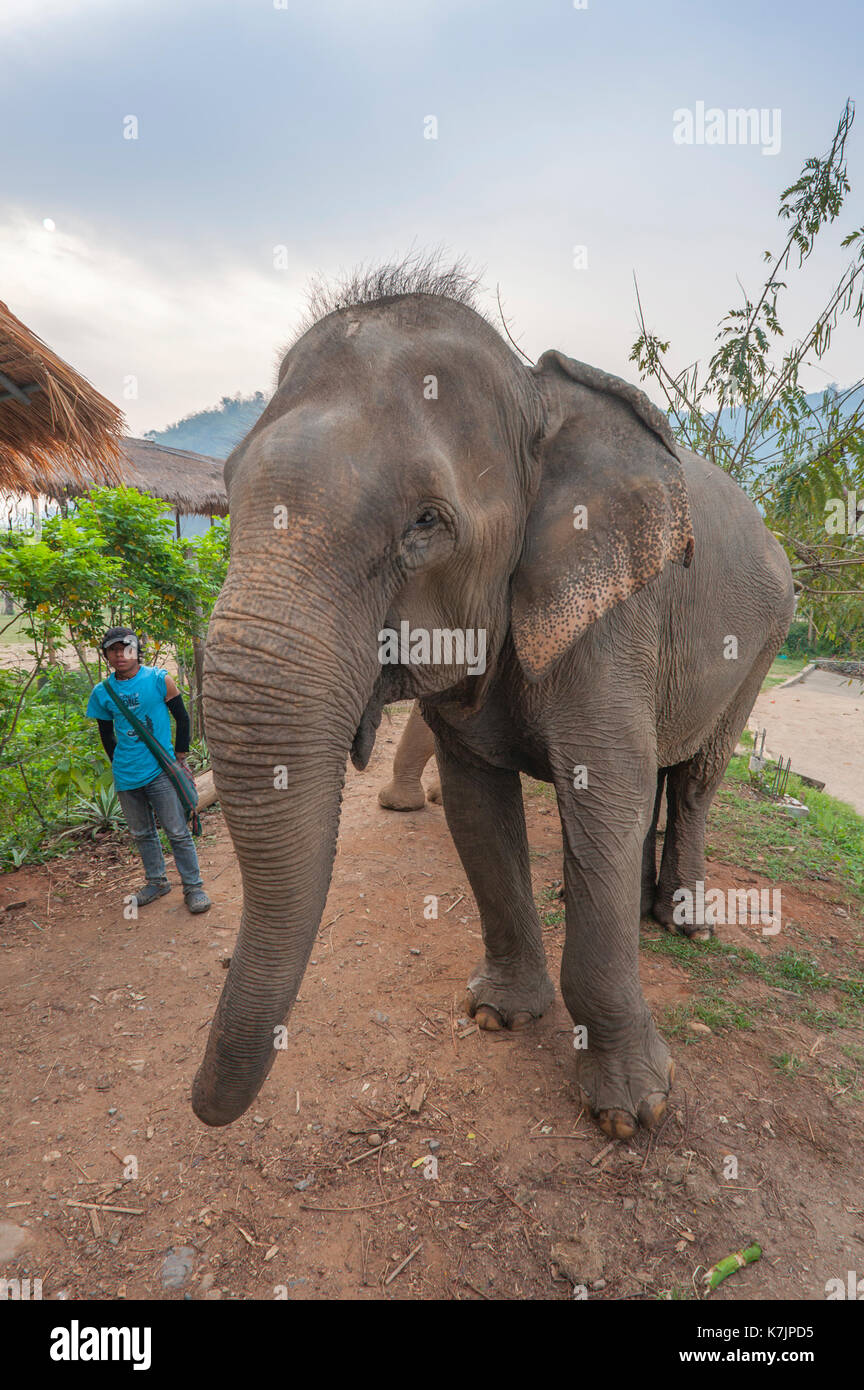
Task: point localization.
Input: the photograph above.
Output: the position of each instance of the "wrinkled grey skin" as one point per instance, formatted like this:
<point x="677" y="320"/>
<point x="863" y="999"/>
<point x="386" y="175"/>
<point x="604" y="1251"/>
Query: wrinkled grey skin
<point x="606" y="651"/>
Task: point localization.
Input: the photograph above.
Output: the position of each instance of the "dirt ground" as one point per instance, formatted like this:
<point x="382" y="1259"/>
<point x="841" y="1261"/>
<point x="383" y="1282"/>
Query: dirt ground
<point x="817" y="722"/>
<point x="322" y="1190"/>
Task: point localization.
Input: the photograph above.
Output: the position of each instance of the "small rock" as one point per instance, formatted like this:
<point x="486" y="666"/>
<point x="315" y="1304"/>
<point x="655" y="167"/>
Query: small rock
<point x="207" y="1282"/>
<point x="213" y="1294"/>
<point x="12" y="1240"/>
<point x="302" y="1185"/>
<point x="52" y="1157"/>
<point x="580" y="1260"/>
<point x="434" y="1144"/>
<point x="628" y="1204"/>
<point x="177" y="1266"/>
<point x="599" y="1284"/>
<point x="373" y="1140"/>
<point x="696" y="1027"/>
<point x="414" y="950"/>
<point x="377" y="1016"/>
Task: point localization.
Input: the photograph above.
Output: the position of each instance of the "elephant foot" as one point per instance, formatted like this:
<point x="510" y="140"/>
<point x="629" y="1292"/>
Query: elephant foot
<point x="433" y="793"/>
<point x="623" y="1091"/>
<point x="496" y="1000"/>
<point x="669" y="913"/>
<point x="402" y="796"/>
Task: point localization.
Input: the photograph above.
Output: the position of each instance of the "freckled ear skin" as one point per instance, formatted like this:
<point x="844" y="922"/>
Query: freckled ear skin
<point x="608" y="449"/>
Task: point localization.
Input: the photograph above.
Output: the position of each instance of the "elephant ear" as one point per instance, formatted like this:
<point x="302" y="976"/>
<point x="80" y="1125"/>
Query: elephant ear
<point x="610" y="512"/>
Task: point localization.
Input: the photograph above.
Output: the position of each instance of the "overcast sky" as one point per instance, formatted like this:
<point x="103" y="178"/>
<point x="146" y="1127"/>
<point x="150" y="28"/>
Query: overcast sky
<point x="301" y="125"/>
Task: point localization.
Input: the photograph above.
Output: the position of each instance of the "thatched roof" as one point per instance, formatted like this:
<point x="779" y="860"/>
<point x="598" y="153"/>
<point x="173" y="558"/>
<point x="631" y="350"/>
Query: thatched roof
<point x="188" y="482"/>
<point x="55" y="428"/>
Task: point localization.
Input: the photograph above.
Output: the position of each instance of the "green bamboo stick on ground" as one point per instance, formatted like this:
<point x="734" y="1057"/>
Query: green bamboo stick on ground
<point x="723" y="1268"/>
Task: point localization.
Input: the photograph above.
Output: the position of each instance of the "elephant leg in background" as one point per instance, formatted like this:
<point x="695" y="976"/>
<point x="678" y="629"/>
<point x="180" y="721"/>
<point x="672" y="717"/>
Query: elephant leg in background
<point x="486" y="817"/>
<point x="649" y="853"/>
<point x="416" y="746"/>
<point x="623" y="1065"/>
<point x="690" y="789"/>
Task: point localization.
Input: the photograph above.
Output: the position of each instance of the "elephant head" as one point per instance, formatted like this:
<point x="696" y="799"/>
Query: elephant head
<point x="408" y="469"/>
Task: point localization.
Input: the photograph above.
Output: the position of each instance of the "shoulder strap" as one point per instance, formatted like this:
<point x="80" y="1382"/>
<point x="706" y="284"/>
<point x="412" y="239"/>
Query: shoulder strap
<point x="140" y="729"/>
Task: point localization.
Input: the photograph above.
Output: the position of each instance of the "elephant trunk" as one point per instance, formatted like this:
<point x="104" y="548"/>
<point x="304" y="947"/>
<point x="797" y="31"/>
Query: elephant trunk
<point x="279" y="733"/>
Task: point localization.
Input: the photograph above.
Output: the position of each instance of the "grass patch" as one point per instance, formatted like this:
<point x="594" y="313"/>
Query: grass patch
<point x="787" y="1062"/>
<point x="782" y="669"/>
<point x="545" y="790"/>
<point x="844" y="1082"/>
<point x="788" y="970"/>
<point x="552" y="916"/>
<point x="754" y="832"/>
<point x="719" y="1014"/>
<point x="551" y="907"/>
<point x="820" y="1020"/>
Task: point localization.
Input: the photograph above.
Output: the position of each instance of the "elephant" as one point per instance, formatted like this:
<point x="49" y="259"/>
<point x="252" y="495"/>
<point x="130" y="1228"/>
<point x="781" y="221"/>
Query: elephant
<point x="405" y="791"/>
<point x="411" y="475"/>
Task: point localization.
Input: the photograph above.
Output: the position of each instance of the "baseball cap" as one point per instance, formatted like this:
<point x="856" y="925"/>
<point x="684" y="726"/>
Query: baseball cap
<point x="121" y="634"/>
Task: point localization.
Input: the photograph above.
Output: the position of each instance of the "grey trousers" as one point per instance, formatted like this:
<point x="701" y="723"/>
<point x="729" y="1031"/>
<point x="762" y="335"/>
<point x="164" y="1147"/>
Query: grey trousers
<point x="139" y="804"/>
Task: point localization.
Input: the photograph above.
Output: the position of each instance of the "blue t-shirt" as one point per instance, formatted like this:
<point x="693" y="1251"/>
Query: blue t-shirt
<point x="144" y="693"/>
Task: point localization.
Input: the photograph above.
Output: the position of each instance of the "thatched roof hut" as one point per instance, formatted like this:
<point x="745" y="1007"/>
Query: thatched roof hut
<point x="188" y="482"/>
<point x="55" y="428"/>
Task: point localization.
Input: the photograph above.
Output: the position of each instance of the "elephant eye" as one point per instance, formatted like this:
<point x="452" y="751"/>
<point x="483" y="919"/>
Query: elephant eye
<point x="426" y="519"/>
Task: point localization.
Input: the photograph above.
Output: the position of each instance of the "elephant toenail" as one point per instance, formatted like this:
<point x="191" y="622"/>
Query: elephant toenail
<point x="488" y="1019"/>
<point x="521" y="1020"/>
<point x="652" y="1110"/>
<point x="618" y="1124"/>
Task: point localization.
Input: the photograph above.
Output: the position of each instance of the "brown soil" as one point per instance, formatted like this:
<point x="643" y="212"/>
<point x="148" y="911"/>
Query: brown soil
<point x="529" y="1198"/>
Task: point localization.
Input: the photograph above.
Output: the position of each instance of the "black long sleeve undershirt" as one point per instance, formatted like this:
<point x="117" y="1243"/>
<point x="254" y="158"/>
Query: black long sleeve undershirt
<point x="179" y="711"/>
<point x="181" y="718"/>
<point x="106" y="733"/>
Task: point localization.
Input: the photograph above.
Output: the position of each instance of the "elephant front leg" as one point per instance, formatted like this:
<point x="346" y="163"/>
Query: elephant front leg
<point x="510" y="986"/>
<point x="623" y="1065"/>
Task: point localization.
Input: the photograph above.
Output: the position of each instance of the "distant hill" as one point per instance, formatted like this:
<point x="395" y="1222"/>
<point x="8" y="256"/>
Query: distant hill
<point x="218" y="430"/>
<point x="215" y="431"/>
<point x="735" y="427"/>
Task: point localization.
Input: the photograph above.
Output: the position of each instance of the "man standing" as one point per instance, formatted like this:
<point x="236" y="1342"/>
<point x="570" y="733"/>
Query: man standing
<point x="141" y="784"/>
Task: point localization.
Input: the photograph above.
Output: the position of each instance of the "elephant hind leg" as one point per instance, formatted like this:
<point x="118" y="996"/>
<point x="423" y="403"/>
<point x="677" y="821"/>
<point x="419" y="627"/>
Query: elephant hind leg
<point x="690" y="790"/>
<point x="689" y="794"/>
<point x="649" y="852"/>
<point x="405" y="791"/>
